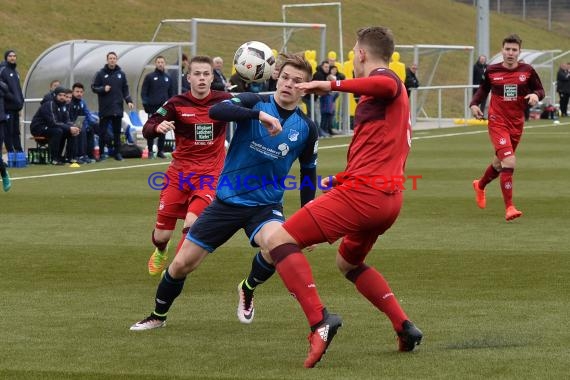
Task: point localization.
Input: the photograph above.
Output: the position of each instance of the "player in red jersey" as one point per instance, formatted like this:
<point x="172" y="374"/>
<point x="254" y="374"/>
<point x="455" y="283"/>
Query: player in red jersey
<point x="197" y="161"/>
<point x="514" y="86"/>
<point x="355" y="211"/>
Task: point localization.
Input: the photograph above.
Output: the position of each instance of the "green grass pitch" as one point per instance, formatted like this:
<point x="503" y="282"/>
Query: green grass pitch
<point x="493" y="298"/>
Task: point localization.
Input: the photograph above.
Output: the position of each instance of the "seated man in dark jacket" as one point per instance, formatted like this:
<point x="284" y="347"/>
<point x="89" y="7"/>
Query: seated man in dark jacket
<point x="52" y="121"/>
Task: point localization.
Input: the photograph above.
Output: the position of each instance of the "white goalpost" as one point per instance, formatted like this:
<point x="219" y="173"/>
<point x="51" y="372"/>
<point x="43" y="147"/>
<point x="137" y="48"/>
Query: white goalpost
<point x="287" y="27"/>
<point x="338" y="5"/>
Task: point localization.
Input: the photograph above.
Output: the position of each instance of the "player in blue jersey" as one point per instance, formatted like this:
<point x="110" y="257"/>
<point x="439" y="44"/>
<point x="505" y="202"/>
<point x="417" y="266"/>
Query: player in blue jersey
<point x="272" y="132"/>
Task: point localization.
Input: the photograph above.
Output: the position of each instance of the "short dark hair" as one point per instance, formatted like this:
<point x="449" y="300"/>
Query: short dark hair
<point x="201" y="59"/>
<point x="297" y="61"/>
<point x="158" y="57"/>
<point x="78" y="85"/>
<point x="111" y="53"/>
<point x="378" y="40"/>
<point x="512" y="39"/>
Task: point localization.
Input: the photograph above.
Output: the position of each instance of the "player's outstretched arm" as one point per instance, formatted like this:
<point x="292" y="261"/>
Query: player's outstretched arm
<point x="315" y="87"/>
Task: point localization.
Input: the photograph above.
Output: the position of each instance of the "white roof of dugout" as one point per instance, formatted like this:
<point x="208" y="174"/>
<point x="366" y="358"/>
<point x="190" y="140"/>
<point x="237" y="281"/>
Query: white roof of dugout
<point x="79" y="60"/>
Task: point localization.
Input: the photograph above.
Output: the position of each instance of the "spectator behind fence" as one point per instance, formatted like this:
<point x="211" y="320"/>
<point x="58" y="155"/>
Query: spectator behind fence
<point x="110" y="85"/>
<point x="51" y="120"/>
<point x="411" y="78"/>
<point x="238" y="84"/>
<point x="328" y="110"/>
<point x="563" y="87"/>
<point x="220" y="82"/>
<point x="157" y="88"/>
<point x="321" y="73"/>
<point x="331" y="57"/>
<point x="13" y="101"/>
<point x="479" y="70"/>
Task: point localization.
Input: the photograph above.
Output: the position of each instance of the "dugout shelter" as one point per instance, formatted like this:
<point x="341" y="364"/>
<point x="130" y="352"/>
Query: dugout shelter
<point x="79" y="60"/>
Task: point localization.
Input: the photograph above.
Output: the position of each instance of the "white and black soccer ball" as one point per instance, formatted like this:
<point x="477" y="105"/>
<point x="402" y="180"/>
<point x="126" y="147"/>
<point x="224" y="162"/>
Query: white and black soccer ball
<point x="254" y="61"/>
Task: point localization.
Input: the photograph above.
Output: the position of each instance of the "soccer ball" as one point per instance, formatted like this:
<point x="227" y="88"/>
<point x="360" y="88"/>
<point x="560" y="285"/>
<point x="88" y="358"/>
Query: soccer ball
<point x="254" y="61"/>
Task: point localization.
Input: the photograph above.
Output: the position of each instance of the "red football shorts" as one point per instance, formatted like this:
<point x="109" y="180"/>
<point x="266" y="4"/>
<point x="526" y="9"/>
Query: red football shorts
<point x="178" y="199"/>
<point x="505" y="140"/>
<point x="357" y="215"/>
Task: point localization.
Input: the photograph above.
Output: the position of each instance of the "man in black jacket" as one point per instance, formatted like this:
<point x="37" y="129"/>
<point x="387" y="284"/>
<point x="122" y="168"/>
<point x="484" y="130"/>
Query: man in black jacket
<point x="479" y="69"/>
<point x="51" y="120"/>
<point x="563" y="87"/>
<point x="110" y="85"/>
<point x="157" y="88"/>
<point x="411" y="78"/>
<point x="6" y="182"/>
<point x="13" y="101"/>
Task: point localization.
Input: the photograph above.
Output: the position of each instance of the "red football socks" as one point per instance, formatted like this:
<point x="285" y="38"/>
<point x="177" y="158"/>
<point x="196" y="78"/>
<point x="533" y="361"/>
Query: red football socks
<point x="372" y="285"/>
<point x="507" y="185"/>
<point x="160" y="245"/>
<point x="490" y="174"/>
<point x="294" y="269"/>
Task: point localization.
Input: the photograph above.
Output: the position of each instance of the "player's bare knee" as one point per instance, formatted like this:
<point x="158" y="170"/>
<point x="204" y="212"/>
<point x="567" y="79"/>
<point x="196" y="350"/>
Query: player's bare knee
<point x="509" y="162"/>
<point x="162" y="235"/>
<point x="266" y="256"/>
<point x="343" y="266"/>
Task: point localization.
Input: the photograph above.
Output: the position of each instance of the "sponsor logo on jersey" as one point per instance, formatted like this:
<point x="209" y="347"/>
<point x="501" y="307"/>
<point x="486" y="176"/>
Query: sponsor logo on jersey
<point x="203" y="132"/>
<point x="509" y="92"/>
<point x="284" y="149"/>
<point x="161" y="111"/>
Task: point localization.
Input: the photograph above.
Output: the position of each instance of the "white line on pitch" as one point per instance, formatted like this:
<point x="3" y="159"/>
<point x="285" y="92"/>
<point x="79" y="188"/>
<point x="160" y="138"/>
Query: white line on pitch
<point x="320" y="148"/>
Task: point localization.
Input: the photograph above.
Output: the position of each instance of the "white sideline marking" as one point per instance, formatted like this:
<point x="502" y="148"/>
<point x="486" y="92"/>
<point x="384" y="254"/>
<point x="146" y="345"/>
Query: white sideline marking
<point x="320" y="148"/>
<point x="89" y="171"/>
<point x="447" y="135"/>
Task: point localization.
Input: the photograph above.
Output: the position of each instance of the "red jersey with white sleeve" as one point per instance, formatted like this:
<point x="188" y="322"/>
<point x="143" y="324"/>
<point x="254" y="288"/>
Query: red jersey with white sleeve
<point x="508" y="88"/>
<point x="199" y="139"/>
<point x="382" y="129"/>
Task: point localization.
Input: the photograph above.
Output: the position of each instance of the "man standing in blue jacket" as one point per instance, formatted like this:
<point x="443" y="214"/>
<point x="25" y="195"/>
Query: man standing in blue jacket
<point x="13" y="101"/>
<point x="110" y="85"/>
<point x="157" y="88"/>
